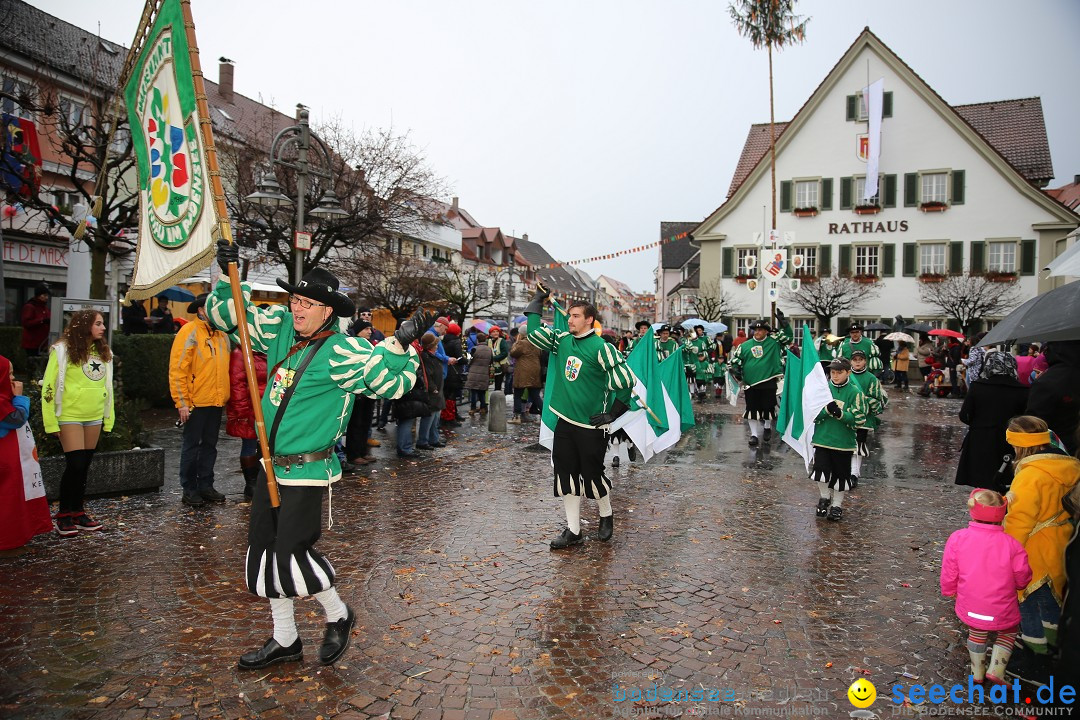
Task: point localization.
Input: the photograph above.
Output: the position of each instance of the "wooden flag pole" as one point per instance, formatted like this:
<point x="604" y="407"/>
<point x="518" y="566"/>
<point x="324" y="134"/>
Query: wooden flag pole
<point x="225" y="231"/>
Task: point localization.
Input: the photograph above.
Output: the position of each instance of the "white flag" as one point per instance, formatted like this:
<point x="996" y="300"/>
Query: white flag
<point x="873" y="97"/>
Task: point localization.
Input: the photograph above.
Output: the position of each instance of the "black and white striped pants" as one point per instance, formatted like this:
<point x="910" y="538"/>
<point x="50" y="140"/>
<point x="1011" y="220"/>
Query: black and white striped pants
<point x="577" y="454"/>
<point x="281" y="557"/>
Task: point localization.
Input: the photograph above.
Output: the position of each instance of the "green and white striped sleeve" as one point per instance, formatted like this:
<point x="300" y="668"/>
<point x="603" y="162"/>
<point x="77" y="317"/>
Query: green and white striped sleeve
<point x="541" y="335"/>
<point x="264" y="324"/>
<point x="619" y="374"/>
<point x="385" y="371"/>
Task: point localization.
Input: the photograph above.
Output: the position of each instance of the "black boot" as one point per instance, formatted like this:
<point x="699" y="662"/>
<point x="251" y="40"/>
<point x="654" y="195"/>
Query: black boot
<point x="566" y="539"/>
<point x="607" y="528"/>
<point x="251" y="476"/>
<point x="336" y="639"/>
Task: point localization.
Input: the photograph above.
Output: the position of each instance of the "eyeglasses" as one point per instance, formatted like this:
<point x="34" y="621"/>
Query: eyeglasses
<point x="304" y="302"/>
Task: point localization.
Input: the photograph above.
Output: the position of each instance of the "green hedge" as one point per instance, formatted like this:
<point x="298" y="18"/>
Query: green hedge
<point x="142" y="368"/>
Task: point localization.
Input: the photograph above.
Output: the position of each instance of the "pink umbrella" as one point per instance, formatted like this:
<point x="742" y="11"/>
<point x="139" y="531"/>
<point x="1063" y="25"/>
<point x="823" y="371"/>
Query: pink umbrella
<point x="943" y="332"/>
<point x="482" y="326"/>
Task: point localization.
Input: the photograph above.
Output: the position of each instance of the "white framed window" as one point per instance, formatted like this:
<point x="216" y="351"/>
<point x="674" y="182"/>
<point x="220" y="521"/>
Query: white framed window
<point x="807" y="193"/>
<point x="1001" y="256"/>
<point x="866" y="259"/>
<point x="742" y="254"/>
<point x="932" y="258"/>
<point x="860" y="190"/>
<point x="797" y="326"/>
<point x="934" y="187"/>
<point x="16" y="87"/>
<point x="743" y="324"/>
<point x="810" y="260"/>
<point x="990" y="324"/>
<point x="76" y="113"/>
<point x="861" y="111"/>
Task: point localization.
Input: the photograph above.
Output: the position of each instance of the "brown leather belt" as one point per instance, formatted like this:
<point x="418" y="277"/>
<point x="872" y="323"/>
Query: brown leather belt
<point x="287" y="461"/>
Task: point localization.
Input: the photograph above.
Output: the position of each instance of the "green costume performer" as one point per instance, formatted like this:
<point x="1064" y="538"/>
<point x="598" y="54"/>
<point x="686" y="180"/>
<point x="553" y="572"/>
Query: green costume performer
<point x="876" y="402"/>
<point x="835" y="438"/>
<point x="591" y="387"/>
<point x="316" y="372"/>
<point x="757" y="363"/>
<point x="665" y="346"/>
<point x="857" y="341"/>
<point x="696" y="351"/>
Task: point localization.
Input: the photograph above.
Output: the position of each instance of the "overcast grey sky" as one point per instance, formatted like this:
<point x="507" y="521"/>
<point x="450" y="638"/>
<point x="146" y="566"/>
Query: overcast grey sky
<point x="585" y="123"/>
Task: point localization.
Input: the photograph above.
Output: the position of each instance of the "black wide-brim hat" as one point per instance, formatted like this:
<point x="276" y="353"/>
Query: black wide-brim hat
<point x="200" y="301"/>
<point x="321" y="286"/>
<point x="761" y="325"/>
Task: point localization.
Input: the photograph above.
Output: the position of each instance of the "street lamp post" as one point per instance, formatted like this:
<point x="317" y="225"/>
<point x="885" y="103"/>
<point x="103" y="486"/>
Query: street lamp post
<point x="269" y="193"/>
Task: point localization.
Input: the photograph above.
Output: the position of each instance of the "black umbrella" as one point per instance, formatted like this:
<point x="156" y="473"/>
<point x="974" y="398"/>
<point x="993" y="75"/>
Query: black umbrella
<point x="877" y="326"/>
<point x="1052" y="316"/>
<point x="920" y="327"/>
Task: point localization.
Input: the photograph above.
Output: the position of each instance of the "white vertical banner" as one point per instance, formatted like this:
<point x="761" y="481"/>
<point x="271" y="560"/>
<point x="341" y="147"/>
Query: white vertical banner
<point x="873" y="97"/>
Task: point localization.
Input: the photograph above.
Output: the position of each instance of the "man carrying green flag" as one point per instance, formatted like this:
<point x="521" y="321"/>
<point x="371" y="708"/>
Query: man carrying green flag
<point x="589" y="386"/>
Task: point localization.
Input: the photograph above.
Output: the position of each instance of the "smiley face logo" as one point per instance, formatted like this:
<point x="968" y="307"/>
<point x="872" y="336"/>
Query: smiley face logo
<point x="862" y="693"/>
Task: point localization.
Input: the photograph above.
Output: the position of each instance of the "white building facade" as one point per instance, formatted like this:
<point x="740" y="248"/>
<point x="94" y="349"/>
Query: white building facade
<point x="958" y="192"/>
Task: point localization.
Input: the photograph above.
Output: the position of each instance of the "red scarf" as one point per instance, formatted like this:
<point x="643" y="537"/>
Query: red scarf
<point x="7" y="392"/>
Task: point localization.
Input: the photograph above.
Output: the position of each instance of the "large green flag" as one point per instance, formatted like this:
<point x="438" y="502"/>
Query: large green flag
<point x="673" y="377"/>
<point x="548" y="418"/>
<point x="643" y="361"/>
<point x="806" y="391"/>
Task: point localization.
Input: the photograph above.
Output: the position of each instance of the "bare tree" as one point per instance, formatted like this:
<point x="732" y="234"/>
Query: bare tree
<point x="389" y="280"/>
<point x="380" y="177"/>
<point x="465" y="289"/>
<point x="79" y="133"/>
<point x="830" y="296"/>
<point x="714" y="302"/>
<point x="967" y="298"/>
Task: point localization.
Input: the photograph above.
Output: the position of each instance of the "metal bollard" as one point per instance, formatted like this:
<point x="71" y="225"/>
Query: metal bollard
<point x="497" y="411"/>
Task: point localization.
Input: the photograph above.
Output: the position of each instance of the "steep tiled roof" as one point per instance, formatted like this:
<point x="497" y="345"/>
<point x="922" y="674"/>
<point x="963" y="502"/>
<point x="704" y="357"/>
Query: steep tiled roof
<point x="690" y="283"/>
<point x="533" y="253"/>
<point x="754" y="149"/>
<point x="675" y="254"/>
<point x="1017" y="130"/>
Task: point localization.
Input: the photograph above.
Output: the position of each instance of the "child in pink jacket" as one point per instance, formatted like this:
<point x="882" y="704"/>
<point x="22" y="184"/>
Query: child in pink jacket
<point x="984" y="568"/>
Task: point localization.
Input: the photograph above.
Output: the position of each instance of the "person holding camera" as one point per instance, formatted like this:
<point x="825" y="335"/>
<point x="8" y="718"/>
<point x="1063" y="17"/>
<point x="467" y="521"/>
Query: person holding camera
<point x="835" y="438"/>
<point x="590" y="389"/>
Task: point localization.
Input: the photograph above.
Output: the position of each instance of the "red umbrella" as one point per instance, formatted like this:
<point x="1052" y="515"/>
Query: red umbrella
<point x="943" y="332"/>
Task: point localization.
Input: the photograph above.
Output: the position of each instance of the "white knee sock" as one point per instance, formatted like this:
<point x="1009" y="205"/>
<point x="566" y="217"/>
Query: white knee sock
<point x="604" y="504"/>
<point x="856" y="465"/>
<point x="572" y="504"/>
<point x="284" y="621"/>
<point x="755" y="427"/>
<point x="825" y="490"/>
<point x="767" y="424"/>
<point x="837" y="498"/>
<point x="332" y="604"/>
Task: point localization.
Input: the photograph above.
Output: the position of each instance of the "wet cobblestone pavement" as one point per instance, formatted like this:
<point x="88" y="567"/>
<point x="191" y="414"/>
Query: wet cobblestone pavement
<point x="719" y="576"/>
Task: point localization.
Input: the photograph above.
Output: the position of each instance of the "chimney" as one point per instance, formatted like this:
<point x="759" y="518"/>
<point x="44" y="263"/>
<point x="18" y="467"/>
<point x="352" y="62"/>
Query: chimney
<point x="454" y="205"/>
<point x="225" y="79"/>
<point x="525" y="237"/>
<point x="1076" y="179"/>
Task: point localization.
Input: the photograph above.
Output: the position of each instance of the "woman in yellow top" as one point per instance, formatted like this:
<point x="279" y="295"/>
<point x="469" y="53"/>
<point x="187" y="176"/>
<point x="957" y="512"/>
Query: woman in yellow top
<point x="1044" y="476"/>
<point x="76" y="405"/>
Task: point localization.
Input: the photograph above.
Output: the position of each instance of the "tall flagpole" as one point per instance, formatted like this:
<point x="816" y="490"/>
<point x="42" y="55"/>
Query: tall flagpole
<point x="225" y="231"/>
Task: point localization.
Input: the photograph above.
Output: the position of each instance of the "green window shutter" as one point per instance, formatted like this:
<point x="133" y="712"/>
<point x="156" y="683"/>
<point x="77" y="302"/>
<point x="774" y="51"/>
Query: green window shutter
<point x="785" y="196"/>
<point x="890" y="191"/>
<point x="845" y="260"/>
<point x="957" y="187"/>
<point x="847" y="189"/>
<point x="824" y="260"/>
<point x="1027" y="257"/>
<point x="978" y="256"/>
<point x="852" y="107"/>
<point x="727" y="262"/>
<point x="910" y="252"/>
<point x="842" y="324"/>
<point x="911" y="189"/>
<point x="826" y="194"/>
<point x="886" y="104"/>
<point x="888" y="260"/>
<point x="956" y="257"/>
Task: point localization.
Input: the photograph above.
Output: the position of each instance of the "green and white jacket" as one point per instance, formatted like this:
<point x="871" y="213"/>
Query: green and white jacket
<point x="876" y="398"/>
<point x="839" y="434"/>
<point x="322" y="402"/>
<point x="590" y="374"/>
<point x="873" y="355"/>
<point x="757" y="361"/>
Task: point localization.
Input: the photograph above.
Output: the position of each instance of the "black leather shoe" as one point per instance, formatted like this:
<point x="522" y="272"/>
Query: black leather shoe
<point x="424" y="447"/>
<point x="271" y="653"/>
<point x="607" y="528"/>
<point x="192" y="499"/>
<point x="835" y="513"/>
<point x="211" y="495"/>
<point x="566" y="539"/>
<point x="853" y="482"/>
<point x="753" y="441"/>
<point x="336" y="640"/>
<point x="406" y="454"/>
<point x="768" y="434"/>
<point x="822" y="507"/>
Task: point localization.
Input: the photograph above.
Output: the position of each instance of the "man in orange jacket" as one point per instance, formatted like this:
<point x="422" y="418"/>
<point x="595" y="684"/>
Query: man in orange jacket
<point x="199" y="382"/>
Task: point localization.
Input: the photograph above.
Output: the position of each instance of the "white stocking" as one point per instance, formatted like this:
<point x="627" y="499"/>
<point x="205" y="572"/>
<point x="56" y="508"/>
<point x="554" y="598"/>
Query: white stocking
<point x="856" y="465"/>
<point x="755" y="427"/>
<point x="284" y="621"/>
<point x="837" y="498"/>
<point x="572" y="504"/>
<point x="604" y="504"/>
<point x="331" y="602"/>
